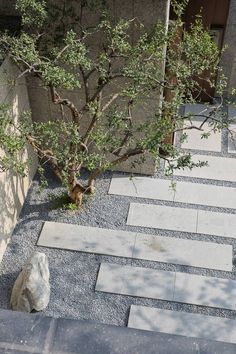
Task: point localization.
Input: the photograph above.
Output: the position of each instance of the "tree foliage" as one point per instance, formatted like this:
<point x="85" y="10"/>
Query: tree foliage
<point x="114" y="67"/>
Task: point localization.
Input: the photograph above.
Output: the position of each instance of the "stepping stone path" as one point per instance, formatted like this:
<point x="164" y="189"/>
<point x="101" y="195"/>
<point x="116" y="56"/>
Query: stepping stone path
<point x="181" y="323"/>
<point x="183" y="192"/>
<point x="136" y="245"/>
<point x="182" y="219"/>
<point x="145" y="282"/>
<point x="232" y="127"/>
<point x="166" y="285"/>
<point x="194" y="140"/>
<point x="219" y="168"/>
<point x="232" y="139"/>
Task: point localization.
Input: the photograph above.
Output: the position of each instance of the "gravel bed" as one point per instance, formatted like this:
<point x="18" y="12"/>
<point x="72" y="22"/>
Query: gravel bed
<point x="73" y="274"/>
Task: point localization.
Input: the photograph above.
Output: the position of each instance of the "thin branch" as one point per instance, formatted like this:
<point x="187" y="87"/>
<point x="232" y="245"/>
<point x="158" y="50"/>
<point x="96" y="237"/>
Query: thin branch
<point x="86" y="86"/>
<point x="56" y="99"/>
<point x="107" y="105"/>
<point x="124" y="157"/>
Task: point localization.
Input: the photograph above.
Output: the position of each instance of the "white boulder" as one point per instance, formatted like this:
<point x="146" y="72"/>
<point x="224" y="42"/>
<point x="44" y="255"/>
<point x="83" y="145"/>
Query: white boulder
<point x="31" y="290"/>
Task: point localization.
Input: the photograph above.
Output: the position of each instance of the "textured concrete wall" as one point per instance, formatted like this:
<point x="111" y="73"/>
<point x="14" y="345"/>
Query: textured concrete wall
<point x="148" y="12"/>
<point x="228" y="61"/>
<point x="13" y="189"/>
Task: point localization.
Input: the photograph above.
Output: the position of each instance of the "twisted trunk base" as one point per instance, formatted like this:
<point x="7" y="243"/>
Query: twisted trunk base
<point x="77" y="192"/>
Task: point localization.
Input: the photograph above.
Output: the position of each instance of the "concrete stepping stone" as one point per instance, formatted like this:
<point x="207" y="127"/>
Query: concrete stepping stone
<point x="162" y="217"/>
<point x="87" y="239"/>
<point x="181" y="251"/>
<point x="182" y="219"/>
<point x="166" y="285"/>
<point x="185" y="192"/>
<point x="142" y="187"/>
<point x="182" y="323"/>
<point x="136" y="245"/>
<point x="232" y="139"/>
<point x="232" y="112"/>
<point x="195" y="141"/>
<point x="219" y="168"/>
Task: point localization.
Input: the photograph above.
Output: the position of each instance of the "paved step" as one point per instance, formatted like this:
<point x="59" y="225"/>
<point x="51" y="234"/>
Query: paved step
<point x="136" y="245"/>
<point x="232" y="139"/>
<point x="87" y="239"/>
<point x="219" y="168"/>
<point x="142" y="187"/>
<point x="185" y="192"/>
<point x="182" y="219"/>
<point x="162" y="217"/>
<point x="232" y="112"/>
<point x="165" y="285"/>
<point x="194" y="141"/>
<point x="182" y="323"/>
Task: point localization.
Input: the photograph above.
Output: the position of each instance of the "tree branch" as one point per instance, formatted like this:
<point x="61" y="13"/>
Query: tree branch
<point x="122" y="158"/>
<point x="56" y="99"/>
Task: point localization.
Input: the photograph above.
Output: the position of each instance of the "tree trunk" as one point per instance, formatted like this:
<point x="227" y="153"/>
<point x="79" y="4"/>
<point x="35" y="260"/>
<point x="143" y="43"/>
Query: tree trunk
<point x="76" y="194"/>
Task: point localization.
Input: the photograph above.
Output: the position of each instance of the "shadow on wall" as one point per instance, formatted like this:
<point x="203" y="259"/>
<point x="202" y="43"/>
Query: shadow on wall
<point x="13" y="188"/>
<point x="13" y="191"/>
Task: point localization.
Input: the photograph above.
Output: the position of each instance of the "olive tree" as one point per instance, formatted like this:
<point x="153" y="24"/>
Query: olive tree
<point x="103" y="131"/>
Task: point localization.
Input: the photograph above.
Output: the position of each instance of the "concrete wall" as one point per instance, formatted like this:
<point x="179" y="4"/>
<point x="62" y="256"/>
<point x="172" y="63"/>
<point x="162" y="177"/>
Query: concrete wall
<point x="228" y="61"/>
<point x="148" y="12"/>
<point x="13" y="189"/>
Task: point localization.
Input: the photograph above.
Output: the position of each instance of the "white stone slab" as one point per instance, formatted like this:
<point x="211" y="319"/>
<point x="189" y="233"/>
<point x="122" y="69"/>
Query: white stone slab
<point x="218" y="224"/>
<point x="219" y="168"/>
<point x="205" y="291"/>
<point x="205" y="194"/>
<point x="142" y="187"/>
<point x="146" y="247"/>
<point x="232" y="112"/>
<point x="182" y="219"/>
<point x="162" y="217"/>
<point x="135" y="281"/>
<point x="187" y="252"/>
<point x="185" y="192"/>
<point x="232" y="138"/>
<point x="87" y="239"/>
<point x="182" y="323"/>
<point x="165" y="285"/>
<point x="196" y="142"/>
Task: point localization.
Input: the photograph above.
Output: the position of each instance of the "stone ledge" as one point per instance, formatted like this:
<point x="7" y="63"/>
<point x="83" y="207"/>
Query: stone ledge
<point x="23" y="333"/>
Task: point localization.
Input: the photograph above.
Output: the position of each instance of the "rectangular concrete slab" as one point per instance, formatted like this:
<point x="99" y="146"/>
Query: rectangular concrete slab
<point x="232" y="139"/>
<point x="232" y="112"/>
<point x="205" y="291"/>
<point x="195" y="141"/>
<point x="165" y="285"/>
<point x="218" y="224"/>
<point x="162" y="217"/>
<point x="219" y="168"/>
<point x="135" y="281"/>
<point x="182" y="323"/>
<point x="205" y="194"/>
<point x="186" y="252"/>
<point x="87" y="239"/>
<point x="184" y="192"/>
<point x="142" y="187"/>
<point x="182" y="219"/>
<point x="136" y="245"/>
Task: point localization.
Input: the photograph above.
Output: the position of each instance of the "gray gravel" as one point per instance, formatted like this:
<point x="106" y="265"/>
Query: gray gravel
<point x="73" y="274"/>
